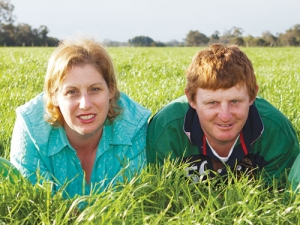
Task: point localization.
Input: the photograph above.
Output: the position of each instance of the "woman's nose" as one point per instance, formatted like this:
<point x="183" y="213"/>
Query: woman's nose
<point x="85" y="102"/>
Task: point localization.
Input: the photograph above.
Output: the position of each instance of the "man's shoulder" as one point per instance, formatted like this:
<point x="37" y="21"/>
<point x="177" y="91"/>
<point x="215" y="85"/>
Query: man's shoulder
<point x="275" y="121"/>
<point x="269" y="113"/>
<point x="174" y="110"/>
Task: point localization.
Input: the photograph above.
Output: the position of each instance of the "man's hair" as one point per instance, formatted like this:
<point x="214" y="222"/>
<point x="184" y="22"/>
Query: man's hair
<point x="220" y="67"/>
<point x="78" y="52"/>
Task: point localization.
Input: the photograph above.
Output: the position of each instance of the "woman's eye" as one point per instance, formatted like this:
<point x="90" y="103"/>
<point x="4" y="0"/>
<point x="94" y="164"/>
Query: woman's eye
<point x="71" y="92"/>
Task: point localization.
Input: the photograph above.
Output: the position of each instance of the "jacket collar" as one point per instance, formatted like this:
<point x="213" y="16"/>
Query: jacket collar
<point x="58" y="139"/>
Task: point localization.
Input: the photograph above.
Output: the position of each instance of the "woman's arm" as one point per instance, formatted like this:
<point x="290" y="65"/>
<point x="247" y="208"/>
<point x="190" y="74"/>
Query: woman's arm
<point x="24" y="154"/>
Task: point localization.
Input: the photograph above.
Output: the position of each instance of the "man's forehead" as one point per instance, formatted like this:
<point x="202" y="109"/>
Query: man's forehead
<point x="237" y="90"/>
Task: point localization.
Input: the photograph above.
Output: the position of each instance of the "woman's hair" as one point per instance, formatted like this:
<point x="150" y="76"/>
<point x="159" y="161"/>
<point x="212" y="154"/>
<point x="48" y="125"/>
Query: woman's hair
<point x="78" y="52"/>
<point x="220" y="67"/>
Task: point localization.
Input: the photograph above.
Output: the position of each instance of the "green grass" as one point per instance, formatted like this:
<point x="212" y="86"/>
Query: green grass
<point x="153" y="77"/>
<point x="157" y="196"/>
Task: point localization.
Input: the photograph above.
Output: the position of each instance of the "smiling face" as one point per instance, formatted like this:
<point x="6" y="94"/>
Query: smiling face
<point x="83" y="99"/>
<point x="222" y="113"/>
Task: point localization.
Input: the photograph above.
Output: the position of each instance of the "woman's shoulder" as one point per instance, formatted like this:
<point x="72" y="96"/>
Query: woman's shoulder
<point x="132" y="120"/>
<point x="33" y="109"/>
<point x="30" y="121"/>
<point x="33" y="114"/>
<point x="132" y="112"/>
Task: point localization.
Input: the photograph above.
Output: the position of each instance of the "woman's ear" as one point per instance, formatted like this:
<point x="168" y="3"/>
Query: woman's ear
<point x="111" y="94"/>
<point x="54" y="100"/>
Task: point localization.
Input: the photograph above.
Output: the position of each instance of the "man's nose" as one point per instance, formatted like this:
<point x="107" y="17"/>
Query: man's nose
<point x="225" y="114"/>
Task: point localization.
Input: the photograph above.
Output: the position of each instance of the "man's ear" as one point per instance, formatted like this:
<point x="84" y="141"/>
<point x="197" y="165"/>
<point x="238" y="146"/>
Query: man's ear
<point x="256" y="91"/>
<point x="188" y="95"/>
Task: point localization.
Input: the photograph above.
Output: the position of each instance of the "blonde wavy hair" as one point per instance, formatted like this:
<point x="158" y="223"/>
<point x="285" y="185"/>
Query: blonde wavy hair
<point x="220" y="67"/>
<point x="80" y="52"/>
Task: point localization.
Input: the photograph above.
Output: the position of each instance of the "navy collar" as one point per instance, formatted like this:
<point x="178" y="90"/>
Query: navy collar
<point x="251" y="131"/>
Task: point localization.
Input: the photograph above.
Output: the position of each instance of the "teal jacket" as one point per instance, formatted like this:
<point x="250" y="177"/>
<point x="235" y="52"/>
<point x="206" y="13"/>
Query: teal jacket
<point x="269" y="140"/>
<point x="37" y="149"/>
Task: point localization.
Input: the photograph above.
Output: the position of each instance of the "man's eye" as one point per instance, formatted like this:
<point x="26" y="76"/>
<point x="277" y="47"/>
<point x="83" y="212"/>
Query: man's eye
<point x="234" y="101"/>
<point x="212" y="103"/>
<point x="95" y="89"/>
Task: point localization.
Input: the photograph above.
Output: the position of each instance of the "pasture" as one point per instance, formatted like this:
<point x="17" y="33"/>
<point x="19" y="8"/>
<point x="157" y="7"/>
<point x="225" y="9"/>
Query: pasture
<point x="153" y="77"/>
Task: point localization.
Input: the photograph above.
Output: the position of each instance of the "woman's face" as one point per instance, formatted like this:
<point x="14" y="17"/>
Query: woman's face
<point x="83" y="99"/>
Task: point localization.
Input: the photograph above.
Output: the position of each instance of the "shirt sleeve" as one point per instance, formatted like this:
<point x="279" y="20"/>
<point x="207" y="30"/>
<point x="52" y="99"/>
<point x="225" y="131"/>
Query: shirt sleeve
<point x="24" y="154"/>
<point x="294" y="175"/>
<point x="167" y="140"/>
<point x="281" y="152"/>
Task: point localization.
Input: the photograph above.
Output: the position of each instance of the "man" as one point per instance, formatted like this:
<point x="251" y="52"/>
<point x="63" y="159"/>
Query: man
<point x="220" y="123"/>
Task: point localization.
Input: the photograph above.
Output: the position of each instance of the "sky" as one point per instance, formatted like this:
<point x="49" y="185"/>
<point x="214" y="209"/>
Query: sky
<point x="161" y="20"/>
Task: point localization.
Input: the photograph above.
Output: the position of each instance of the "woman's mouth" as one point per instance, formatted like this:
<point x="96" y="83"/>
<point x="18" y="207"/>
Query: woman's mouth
<point x="86" y="117"/>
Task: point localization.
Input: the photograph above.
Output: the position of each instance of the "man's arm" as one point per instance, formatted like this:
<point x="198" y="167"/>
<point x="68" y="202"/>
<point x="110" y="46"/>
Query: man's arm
<point x="165" y="135"/>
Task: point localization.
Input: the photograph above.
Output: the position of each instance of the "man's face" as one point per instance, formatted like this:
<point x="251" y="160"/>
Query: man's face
<point x="222" y="113"/>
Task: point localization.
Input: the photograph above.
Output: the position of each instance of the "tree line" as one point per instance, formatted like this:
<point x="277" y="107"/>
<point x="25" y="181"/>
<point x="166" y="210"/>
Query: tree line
<point x="25" y="35"/>
<point x="233" y="36"/>
<point x="21" y="34"/>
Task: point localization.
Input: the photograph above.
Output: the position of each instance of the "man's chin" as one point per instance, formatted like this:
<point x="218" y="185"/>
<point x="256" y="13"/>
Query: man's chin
<point x="226" y="138"/>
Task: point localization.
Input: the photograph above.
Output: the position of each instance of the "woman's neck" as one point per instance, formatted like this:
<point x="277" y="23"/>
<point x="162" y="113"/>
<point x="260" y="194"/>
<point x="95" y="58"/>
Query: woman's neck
<point x="86" y="148"/>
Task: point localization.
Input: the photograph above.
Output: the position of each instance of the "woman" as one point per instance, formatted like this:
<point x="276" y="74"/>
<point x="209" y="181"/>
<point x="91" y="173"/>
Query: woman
<point x="81" y="132"/>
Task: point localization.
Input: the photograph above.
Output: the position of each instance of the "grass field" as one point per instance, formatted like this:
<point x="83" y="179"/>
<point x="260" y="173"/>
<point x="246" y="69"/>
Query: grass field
<point x="153" y="77"/>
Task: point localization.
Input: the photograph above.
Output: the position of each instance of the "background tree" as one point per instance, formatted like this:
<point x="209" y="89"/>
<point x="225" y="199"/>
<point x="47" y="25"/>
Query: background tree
<point x="24" y="35"/>
<point x="233" y="36"/>
<point x="6" y="12"/>
<point x="215" y="37"/>
<point x="195" y="38"/>
<point x="249" y="41"/>
<point x="158" y="44"/>
<point x="7" y="35"/>
<point x="21" y="34"/>
<point x="270" y="39"/>
<point x="259" y="42"/>
<point x="141" y="41"/>
<point x="173" y="43"/>
<point x="291" y="37"/>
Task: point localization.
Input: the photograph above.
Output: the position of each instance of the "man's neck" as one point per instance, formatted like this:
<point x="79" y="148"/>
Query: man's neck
<point x="222" y="149"/>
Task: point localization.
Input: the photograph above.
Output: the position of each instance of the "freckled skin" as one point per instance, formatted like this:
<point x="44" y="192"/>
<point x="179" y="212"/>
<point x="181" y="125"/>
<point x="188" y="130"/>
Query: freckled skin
<point x="222" y="114"/>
